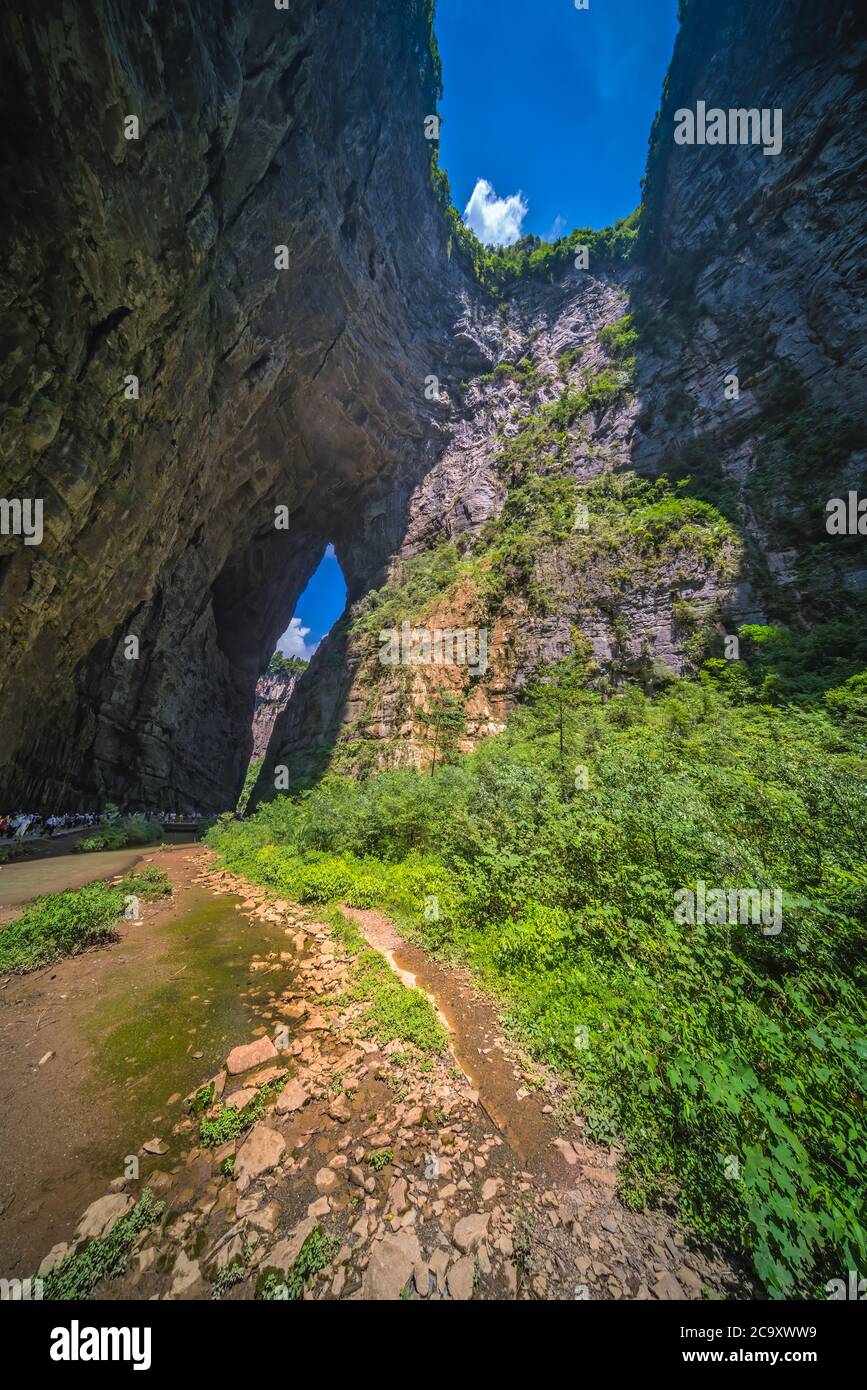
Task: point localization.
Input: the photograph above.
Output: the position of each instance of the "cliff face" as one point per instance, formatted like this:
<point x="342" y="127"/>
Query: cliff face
<point x="305" y="388"/>
<point x="747" y="265"/>
<point x="273" y="694"/>
<point x="258" y="387"/>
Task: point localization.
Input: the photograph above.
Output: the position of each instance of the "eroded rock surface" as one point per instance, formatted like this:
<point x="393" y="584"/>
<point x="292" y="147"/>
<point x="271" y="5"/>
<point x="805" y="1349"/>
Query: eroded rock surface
<point x="304" y="388"/>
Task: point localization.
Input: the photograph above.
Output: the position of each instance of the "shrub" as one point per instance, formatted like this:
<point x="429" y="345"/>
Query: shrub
<point x="726" y="1063"/>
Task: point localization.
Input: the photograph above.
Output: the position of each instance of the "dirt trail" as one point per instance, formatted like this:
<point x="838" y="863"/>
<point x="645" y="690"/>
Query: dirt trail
<point x="427" y="1176"/>
<point x="494" y="1069"/>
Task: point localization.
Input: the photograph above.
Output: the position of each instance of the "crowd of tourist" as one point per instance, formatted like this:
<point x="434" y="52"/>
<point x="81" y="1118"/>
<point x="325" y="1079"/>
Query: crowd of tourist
<point x="35" y="825"/>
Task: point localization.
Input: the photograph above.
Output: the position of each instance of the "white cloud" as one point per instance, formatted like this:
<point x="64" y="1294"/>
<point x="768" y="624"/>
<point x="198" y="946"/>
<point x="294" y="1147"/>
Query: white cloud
<point x="495" y="221"/>
<point x="293" y="642"/>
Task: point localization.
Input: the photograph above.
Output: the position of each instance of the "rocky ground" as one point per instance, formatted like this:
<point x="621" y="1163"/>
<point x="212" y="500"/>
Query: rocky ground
<point x="382" y="1164"/>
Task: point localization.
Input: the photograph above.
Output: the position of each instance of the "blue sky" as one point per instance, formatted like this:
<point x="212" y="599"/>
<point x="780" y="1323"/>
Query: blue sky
<point x="543" y="101"/>
<point x="317" y="610"/>
<point x="553" y="103"/>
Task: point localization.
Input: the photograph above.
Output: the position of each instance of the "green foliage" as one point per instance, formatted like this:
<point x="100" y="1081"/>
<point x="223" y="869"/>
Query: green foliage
<point x="419" y="580"/>
<point x="105" y="1258"/>
<point x="395" y="1012"/>
<point x="229" y="1123"/>
<point x="317" y="1251"/>
<point x="148" y="882"/>
<point x="380" y="1159"/>
<point x="129" y="830"/>
<point x="250" y="778"/>
<point x="501" y="269"/>
<point x="445" y="723"/>
<point x="781" y="665"/>
<point x="848" y="702"/>
<point x="64" y="924"/>
<point x="227" y="1278"/>
<point x="620" y="339"/>
<point x="727" y="1063"/>
<point x="202" y="1099"/>
<point x="286" y="666"/>
<point x="543" y="437"/>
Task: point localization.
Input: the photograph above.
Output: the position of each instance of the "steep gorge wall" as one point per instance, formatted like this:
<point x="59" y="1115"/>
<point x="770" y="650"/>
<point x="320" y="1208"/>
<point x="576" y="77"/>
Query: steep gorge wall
<point x="259" y="387"/>
<point x="747" y="264"/>
<point x="305" y="387"/>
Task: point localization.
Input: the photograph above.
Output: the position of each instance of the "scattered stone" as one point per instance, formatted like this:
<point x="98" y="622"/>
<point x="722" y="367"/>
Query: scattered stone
<point x="261" y="1151"/>
<point x="55" y="1256"/>
<point x="391" y="1266"/>
<point x="470" y="1231"/>
<point x="667" y="1288"/>
<point x="155" y="1146"/>
<point x="101" y="1215"/>
<point x="283" y="1256"/>
<point x="185" y="1273"/>
<point x="461" y="1277"/>
<point x="293" y="1097"/>
<point x="340" y="1110"/>
<point x="250" y="1055"/>
<point x="241" y="1098"/>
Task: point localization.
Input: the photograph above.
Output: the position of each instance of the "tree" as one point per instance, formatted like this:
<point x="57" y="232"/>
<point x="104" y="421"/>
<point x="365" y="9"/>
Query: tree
<point x="446" y="722"/>
<point x="555" y="691"/>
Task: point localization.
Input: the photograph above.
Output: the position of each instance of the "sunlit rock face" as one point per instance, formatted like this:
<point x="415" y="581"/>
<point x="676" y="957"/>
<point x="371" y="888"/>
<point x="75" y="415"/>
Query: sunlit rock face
<point x="749" y="266"/>
<point x="305" y="388"/>
<point x="273" y="693"/>
<point x="258" y="387"/>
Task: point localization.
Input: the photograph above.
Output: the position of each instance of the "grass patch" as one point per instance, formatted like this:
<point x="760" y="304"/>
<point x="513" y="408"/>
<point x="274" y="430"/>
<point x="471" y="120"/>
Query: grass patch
<point x="64" y="924"/>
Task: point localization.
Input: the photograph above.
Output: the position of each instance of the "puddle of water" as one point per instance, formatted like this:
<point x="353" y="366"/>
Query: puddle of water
<point x="32" y="877"/>
<point x="144" y="1032"/>
<point x="126" y="1022"/>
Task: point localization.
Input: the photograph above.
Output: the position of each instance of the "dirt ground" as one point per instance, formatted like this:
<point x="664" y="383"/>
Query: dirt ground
<point x="428" y="1177"/>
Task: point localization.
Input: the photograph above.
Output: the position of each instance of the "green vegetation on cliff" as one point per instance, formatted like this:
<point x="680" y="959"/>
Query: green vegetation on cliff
<point x="500" y="269"/>
<point x="728" y="1060"/>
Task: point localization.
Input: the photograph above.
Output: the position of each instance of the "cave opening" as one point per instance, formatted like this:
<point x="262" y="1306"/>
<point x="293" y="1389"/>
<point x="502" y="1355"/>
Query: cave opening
<point x="317" y="609"/>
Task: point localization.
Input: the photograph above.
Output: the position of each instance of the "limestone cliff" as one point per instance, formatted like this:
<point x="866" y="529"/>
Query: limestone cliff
<point x="747" y="265"/>
<point x="273" y="694"/>
<point x="154" y="257"/>
<point x="520" y="501"/>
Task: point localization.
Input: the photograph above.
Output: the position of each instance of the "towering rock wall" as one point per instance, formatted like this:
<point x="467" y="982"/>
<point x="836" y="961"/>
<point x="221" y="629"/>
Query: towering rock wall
<point x="273" y="694"/>
<point x="748" y="265"/>
<point x="305" y="388"/>
<point x="258" y="387"/>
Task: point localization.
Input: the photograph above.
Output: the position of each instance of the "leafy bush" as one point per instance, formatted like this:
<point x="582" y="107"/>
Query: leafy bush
<point x="730" y="1065"/>
<point x="118" y="834"/>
